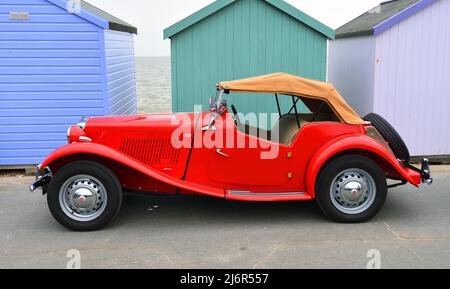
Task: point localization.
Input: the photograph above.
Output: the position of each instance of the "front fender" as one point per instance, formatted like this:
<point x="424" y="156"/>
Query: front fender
<point x="354" y="142"/>
<point x="108" y="153"/>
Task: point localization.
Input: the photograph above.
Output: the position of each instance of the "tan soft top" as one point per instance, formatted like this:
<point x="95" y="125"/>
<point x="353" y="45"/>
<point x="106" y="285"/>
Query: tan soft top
<point x="287" y="84"/>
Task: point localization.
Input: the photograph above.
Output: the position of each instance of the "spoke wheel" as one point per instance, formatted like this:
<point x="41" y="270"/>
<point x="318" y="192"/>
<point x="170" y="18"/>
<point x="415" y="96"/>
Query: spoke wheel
<point x="353" y="191"/>
<point x="83" y="198"/>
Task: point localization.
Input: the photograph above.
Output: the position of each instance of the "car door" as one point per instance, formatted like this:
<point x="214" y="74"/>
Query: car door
<point x="259" y="165"/>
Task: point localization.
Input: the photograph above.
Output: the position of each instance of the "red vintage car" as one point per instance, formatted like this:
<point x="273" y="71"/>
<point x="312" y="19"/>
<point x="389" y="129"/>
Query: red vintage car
<point x="319" y="149"/>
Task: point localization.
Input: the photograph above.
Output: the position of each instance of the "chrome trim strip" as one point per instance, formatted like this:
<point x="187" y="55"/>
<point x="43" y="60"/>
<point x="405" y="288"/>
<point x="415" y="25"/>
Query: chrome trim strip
<point x="84" y="139"/>
<point x="262" y="195"/>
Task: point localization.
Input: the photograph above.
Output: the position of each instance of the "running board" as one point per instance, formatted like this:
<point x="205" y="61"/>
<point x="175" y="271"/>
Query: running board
<point x="266" y="196"/>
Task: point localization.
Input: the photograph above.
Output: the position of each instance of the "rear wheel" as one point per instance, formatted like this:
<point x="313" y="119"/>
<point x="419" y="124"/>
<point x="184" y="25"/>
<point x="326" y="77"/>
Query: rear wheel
<point x="351" y="189"/>
<point x="84" y="196"/>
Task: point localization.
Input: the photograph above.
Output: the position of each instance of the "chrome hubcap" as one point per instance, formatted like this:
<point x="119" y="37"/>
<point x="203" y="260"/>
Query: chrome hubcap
<point x="83" y="198"/>
<point x="353" y="191"/>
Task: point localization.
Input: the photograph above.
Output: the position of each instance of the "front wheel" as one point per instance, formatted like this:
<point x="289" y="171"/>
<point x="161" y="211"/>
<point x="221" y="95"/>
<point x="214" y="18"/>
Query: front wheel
<point x="351" y="189"/>
<point x="84" y="196"/>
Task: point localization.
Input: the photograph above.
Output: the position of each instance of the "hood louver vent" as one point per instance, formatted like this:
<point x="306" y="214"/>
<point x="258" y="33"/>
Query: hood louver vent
<point x="155" y="151"/>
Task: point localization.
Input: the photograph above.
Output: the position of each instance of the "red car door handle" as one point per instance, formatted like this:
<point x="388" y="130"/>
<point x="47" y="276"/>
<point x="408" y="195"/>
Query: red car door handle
<point x="219" y="151"/>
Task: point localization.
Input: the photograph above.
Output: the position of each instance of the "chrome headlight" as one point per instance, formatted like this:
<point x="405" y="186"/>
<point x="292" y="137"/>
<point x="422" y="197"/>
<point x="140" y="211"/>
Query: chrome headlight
<point x="82" y="123"/>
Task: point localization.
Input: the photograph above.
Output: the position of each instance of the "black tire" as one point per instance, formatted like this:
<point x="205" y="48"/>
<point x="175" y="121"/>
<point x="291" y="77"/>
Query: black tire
<point x="101" y="173"/>
<point x="391" y="135"/>
<point x="334" y="169"/>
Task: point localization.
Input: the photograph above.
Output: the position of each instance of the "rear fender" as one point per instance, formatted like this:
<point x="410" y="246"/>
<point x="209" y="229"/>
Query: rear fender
<point x="110" y="154"/>
<point x="349" y="143"/>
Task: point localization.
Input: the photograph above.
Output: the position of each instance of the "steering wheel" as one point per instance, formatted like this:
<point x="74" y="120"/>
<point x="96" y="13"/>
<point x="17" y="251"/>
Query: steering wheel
<point x="236" y="116"/>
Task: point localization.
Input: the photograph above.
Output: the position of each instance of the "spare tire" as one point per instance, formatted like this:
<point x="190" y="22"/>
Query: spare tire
<point x="389" y="133"/>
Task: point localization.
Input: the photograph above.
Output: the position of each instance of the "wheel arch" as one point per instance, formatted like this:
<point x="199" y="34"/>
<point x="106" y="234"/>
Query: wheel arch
<point x="353" y="145"/>
<point x="116" y="161"/>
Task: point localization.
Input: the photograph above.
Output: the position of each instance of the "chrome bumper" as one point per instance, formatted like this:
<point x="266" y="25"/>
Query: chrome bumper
<point x="424" y="172"/>
<point x="43" y="177"/>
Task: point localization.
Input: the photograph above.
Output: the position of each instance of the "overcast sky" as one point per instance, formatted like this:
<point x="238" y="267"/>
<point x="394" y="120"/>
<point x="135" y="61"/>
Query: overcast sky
<point x="151" y="17"/>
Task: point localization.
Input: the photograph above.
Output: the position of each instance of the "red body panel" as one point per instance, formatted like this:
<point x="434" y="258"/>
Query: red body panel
<point x="146" y="139"/>
<point x="245" y="170"/>
<point x="355" y="142"/>
<point x="103" y="151"/>
<point x="142" y="151"/>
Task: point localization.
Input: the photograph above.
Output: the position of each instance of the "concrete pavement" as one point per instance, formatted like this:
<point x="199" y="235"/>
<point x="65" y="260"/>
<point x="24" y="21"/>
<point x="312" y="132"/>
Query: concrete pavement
<point x="413" y="231"/>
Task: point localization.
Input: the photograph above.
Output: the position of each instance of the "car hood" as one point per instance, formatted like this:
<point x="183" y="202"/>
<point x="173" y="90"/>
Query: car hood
<point x="109" y="130"/>
<point x="140" y="120"/>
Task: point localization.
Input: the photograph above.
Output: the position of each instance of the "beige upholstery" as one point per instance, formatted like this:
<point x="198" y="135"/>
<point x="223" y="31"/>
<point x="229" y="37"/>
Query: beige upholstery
<point x="286" y="128"/>
<point x="254" y="131"/>
<point x="284" y="131"/>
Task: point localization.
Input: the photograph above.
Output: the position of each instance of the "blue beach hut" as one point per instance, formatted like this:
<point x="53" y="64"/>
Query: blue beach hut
<point x="59" y="60"/>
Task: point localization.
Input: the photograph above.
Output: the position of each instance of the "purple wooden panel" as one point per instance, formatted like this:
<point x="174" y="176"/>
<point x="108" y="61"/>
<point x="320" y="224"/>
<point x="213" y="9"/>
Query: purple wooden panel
<point x="394" y="20"/>
<point x="411" y="79"/>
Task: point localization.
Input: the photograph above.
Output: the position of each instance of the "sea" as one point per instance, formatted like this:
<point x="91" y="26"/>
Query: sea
<point x="153" y="81"/>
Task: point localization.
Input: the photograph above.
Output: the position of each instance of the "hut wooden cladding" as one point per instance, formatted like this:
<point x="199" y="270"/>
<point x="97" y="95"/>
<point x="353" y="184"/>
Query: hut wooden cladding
<point x="234" y="39"/>
<point x="55" y="67"/>
<point x="399" y="69"/>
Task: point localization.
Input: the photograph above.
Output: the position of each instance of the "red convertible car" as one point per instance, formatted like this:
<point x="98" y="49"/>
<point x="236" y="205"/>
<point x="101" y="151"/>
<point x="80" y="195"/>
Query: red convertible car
<point x="319" y="149"/>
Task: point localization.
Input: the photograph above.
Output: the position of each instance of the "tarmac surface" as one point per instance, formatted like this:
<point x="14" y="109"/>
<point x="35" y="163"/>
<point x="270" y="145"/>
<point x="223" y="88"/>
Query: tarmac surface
<point x="412" y="231"/>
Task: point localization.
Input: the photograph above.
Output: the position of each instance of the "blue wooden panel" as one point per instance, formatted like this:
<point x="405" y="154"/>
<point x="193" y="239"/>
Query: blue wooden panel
<point x="51" y="95"/>
<point x="31" y="137"/>
<point x="34" y="144"/>
<point x="11" y="70"/>
<point x="118" y="52"/>
<point x="64" y="53"/>
<point x="25" y="153"/>
<point x="113" y="44"/>
<point x="51" y="112"/>
<point x="123" y="105"/>
<point x="26" y="3"/>
<point x="49" y="18"/>
<point x="47" y="44"/>
<point x="42" y="36"/>
<point x="32" y="9"/>
<point x="50" y="62"/>
<point x="48" y="27"/>
<point x="123" y="82"/>
<point x="122" y="73"/>
<point x="51" y="73"/>
<point x="52" y="79"/>
<point x="32" y="129"/>
<point x="34" y="87"/>
<point x="122" y="94"/>
<point x="41" y="120"/>
<point x="121" y="100"/>
<point x="21" y="161"/>
<point x="119" y="59"/>
<point x="120" y="66"/>
<point x="61" y="104"/>
<point x="121" y="77"/>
